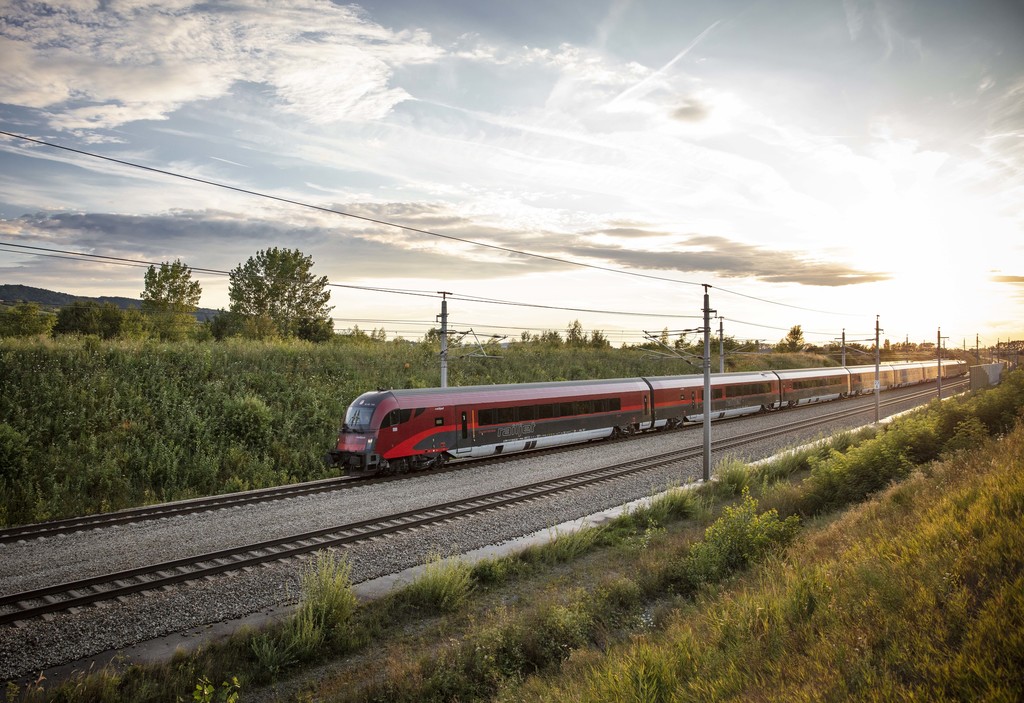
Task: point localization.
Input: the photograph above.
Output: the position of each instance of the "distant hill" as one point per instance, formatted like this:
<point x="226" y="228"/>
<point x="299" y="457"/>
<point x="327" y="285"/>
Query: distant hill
<point x="11" y="294"/>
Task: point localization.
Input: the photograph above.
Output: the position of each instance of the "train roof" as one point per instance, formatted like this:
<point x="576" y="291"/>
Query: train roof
<point x="422" y="397"/>
<point x="716" y="379"/>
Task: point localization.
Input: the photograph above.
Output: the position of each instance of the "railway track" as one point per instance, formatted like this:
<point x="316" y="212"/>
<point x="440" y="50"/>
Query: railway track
<point x="26" y="605"/>
<point x="52" y="528"/>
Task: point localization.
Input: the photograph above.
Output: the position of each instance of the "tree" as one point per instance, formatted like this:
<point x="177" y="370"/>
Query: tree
<point x="25" y="320"/>
<point x="793" y="341"/>
<point x="89" y="317"/>
<point x="170" y="298"/>
<point x="277" y="293"/>
<point x="574" y="335"/>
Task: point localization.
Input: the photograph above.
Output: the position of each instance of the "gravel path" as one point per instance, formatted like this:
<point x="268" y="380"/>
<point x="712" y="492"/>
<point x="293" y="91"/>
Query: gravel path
<point x="67" y="637"/>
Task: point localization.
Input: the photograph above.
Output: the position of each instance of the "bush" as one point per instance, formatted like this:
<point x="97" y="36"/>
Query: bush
<point x="248" y="420"/>
<point x="738" y="538"/>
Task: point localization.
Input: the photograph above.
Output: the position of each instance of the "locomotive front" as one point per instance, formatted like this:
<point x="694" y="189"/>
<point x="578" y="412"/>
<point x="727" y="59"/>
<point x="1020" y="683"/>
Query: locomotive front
<point x="356" y="450"/>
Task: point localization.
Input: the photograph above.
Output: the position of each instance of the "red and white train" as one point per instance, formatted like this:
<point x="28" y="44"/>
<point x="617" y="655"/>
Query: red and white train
<point x="413" y="429"/>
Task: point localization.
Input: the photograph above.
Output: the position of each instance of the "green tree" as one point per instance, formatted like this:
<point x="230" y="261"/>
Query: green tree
<point x="170" y="298"/>
<point x="278" y="294"/>
<point x="25" y="320"/>
<point x="793" y="341"/>
<point x="574" y="335"/>
<point x="550" y="338"/>
<point x="134" y="324"/>
<point x="225" y="324"/>
<point x="89" y="317"/>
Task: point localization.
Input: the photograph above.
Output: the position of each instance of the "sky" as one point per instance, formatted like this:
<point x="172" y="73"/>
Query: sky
<point x="816" y="163"/>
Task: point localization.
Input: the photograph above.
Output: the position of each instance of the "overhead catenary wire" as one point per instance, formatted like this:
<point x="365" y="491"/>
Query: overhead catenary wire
<point x="123" y="261"/>
<point x="407" y="228"/>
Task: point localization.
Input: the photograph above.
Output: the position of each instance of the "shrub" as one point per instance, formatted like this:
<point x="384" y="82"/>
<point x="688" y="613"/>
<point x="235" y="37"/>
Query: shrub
<point x="248" y="420"/>
<point x="738" y="538"/>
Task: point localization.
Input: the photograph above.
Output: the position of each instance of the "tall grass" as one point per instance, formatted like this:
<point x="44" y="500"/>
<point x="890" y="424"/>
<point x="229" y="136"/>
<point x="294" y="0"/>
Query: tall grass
<point x="443" y="586"/>
<point x="917" y="595"/>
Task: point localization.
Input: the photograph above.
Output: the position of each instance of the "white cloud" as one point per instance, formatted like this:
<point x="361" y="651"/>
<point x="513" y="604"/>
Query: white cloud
<point x="100" y="68"/>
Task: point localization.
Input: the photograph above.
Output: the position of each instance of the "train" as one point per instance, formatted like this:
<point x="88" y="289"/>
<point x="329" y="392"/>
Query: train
<point x="395" y="431"/>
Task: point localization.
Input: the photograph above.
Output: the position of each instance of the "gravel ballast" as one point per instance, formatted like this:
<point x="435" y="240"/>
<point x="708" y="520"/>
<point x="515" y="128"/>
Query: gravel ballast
<point x="66" y="637"/>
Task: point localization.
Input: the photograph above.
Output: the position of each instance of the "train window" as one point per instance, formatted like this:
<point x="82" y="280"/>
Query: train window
<point x="565" y="410"/>
<point x="717" y="393"/>
<point x="616" y="404"/>
<point x="418" y="411"/>
<point x="485" y="417"/>
<point x="504" y="415"/>
<point x="392" y="418"/>
<point x="528" y="412"/>
<point x="546" y="411"/>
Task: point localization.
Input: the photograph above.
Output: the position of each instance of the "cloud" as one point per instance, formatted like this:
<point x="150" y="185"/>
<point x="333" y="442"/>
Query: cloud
<point x="94" y="68"/>
<point x="219" y="240"/>
<point x="731" y="259"/>
<point x="691" y="111"/>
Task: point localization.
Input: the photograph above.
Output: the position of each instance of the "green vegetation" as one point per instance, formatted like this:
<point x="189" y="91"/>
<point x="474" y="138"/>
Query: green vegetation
<point x="91" y="425"/>
<point x="754" y="588"/>
<point x="275" y="294"/>
<point x="169" y="300"/>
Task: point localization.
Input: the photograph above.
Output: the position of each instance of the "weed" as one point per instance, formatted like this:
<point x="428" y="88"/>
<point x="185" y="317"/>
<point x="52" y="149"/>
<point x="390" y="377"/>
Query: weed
<point x="272" y="656"/>
<point x="328" y="601"/>
<point x="444" y="585"/>
<point x="733" y="476"/>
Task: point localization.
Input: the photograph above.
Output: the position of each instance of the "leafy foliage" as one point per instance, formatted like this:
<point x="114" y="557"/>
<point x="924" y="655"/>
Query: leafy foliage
<point x="277" y="295"/>
<point x="25" y="320"/>
<point x="89" y="317"/>
<point x="169" y="299"/>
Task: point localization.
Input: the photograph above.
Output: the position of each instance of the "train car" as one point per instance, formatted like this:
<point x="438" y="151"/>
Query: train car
<point x="862" y="378"/>
<point x="951" y="368"/>
<point x="400" y="430"/>
<point x="680" y="399"/>
<point x="803" y="386"/>
<point x="909" y="373"/>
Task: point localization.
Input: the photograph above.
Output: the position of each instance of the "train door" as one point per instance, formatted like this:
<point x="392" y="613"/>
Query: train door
<point x="464" y="431"/>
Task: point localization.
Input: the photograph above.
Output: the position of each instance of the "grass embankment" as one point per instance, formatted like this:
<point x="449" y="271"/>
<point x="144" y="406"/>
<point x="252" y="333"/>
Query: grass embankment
<point x="91" y="426"/>
<point x="755" y="586"/>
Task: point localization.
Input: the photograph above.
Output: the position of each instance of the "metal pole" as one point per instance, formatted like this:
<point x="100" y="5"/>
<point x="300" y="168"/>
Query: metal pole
<point x="707" y="384"/>
<point x="444" y="338"/>
<point x="938" y="352"/>
<point x="721" y="345"/>
<point x="878" y="378"/>
<point x="844" y="346"/>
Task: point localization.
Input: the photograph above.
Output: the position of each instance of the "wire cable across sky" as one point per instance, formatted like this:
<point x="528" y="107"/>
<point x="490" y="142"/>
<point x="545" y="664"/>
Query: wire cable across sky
<point x="407" y="228"/>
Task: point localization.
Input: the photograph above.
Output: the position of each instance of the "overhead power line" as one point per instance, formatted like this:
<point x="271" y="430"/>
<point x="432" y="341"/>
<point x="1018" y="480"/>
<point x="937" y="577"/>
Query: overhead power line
<point x="407" y="228"/>
<point x="122" y="261"/>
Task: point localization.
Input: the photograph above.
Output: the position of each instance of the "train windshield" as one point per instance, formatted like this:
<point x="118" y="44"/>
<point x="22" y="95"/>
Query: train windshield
<point x="358" y="417"/>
